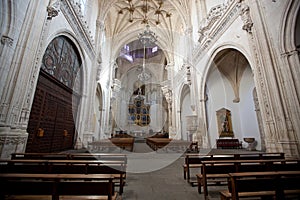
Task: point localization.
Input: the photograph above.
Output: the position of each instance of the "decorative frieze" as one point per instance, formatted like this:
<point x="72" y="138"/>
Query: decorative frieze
<point x="218" y="20"/>
<point x="36" y="69"/>
<point x="260" y="78"/>
<point x="73" y="14"/>
<point x="12" y="140"/>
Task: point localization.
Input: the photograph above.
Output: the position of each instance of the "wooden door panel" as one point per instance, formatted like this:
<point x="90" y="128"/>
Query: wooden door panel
<point x="52" y="112"/>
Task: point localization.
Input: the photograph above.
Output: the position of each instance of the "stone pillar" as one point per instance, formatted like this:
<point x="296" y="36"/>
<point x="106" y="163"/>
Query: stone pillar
<point x="277" y="128"/>
<point x="12" y="140"/>
<point x="202" y="10"/>
<point x="20" y="67"/>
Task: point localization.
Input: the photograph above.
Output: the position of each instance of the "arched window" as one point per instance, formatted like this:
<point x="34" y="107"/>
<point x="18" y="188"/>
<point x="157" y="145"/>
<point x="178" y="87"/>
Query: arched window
<point x="62" y="61"/>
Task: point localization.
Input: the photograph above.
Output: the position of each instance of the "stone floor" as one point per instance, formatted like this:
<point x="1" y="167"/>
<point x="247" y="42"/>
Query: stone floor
<point x="167" y="183"/>
<point x="164" y="184"/>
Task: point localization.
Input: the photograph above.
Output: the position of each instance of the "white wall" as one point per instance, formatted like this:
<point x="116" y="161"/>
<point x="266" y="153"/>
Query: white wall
<point x="248" y="119"/>
<point x="221" y="95"/>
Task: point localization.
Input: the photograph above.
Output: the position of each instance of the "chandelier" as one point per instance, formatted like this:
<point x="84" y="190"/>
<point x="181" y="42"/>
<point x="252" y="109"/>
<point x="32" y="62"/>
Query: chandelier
<point x="147" y="38"/>
<point x="140" y="10"/>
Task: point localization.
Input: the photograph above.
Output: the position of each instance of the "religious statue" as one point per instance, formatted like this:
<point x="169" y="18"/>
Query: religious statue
<point x="224" y="123"/>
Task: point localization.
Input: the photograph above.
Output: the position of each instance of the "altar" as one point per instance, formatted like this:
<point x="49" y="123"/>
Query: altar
<point x="228" y="143"/>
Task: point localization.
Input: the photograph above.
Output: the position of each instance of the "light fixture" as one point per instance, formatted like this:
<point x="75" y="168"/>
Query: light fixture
<point x="147" y="38"/>
<point x="140" y="10"/>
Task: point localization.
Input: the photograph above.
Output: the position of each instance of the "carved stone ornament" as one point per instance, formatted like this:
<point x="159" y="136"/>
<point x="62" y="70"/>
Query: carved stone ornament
<point x="52" y="12"/>
<point x="12" y="140"/>
<point x="245" y="15"/>
<point x="5" y="40"/>
<point x="53" y="9"/>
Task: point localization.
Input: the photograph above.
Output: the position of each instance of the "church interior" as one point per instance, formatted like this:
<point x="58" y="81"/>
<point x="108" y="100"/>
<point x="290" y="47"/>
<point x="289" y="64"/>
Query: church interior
<point x="149" y="99"/>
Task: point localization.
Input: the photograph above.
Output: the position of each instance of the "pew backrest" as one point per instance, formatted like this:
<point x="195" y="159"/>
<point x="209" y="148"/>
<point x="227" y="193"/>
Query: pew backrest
<point x="254" y="182"/>
<point x="56" y="185"/>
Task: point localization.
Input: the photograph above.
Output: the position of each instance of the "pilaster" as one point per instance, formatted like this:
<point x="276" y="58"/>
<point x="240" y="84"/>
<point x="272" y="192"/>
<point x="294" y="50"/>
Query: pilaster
<point x="12" y="140"/>
<point x="267" y="78"/>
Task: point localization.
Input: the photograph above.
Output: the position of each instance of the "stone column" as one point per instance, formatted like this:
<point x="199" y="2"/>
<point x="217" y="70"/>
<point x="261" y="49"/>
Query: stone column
<point x="273" y="110"/>
<point x="21" y="69"/>
<point x="201" y="9"/>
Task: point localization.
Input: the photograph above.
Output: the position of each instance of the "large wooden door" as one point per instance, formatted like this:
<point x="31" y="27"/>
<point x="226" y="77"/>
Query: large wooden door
<point x="53" y="114"/>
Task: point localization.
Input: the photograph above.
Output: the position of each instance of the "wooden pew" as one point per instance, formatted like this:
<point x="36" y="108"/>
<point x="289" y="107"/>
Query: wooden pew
<point x="217" y="172"/>
<point x="57" y="185"/>
<point x="167" y="144"/>
<point x="114" y="167"/>
<point x="112" y="144"/>
<point x="123" y="143"/>
<point x="275" y="184"/>
<point x="157" y="143"/>
<point x="194" y="160"/>
<point x="44" y="156"/>
<point x="71" y="156"/>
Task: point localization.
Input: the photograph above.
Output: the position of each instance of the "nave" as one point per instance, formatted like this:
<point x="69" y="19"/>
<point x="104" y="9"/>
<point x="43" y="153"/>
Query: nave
<point x="165" y="183"/>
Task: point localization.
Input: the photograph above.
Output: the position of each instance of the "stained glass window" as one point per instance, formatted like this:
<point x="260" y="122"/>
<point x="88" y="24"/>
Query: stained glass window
<point x="62" y="61"/>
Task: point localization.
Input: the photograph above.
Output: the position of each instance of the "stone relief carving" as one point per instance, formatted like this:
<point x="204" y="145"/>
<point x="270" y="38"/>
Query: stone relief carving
<point x="99" y="67"/>
<point x="214" y="14"/>
<point x="217" y="21"/>
<point x="53" y="9"/>
<point x="5" y="140"/>
<point x="261" y="81"/>
<point x="5" y="40"/>
<point x="52" y="12"/>
<point x="79" y="25"/>
<point x="25" y="111"/>
<point x="245" y="15"/>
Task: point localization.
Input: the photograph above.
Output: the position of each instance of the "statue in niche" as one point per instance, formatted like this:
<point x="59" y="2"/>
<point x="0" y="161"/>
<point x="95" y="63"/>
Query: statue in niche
<point x="224" y="123"/>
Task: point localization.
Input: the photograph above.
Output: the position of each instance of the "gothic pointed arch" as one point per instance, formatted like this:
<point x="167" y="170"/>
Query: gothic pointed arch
<point x="185" y="111"/>
<point x="229" y="84"/>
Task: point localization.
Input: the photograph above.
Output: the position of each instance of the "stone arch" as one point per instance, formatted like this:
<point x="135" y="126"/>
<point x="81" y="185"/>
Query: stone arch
<point x="98" y="109"/>
<point x="229" y="81"/>
<point x="52" y="122"/>
<point x="185" y="110"/>
<point x="289" y="45"/>
<point x="290" y="41"/>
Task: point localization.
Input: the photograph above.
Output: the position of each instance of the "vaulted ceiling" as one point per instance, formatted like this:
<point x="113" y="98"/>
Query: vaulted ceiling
<point x="118" y="23"/>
